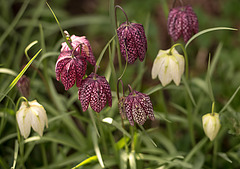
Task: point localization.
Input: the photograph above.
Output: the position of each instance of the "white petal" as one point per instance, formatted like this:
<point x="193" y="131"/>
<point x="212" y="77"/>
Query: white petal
<point x="181" y="63"/>
<point x="24" y="121"/>
<point x="174" y="69"/>
<point x="36" y="123"/>
<point x="164" y="73"/>
<point x="156" y="67"/>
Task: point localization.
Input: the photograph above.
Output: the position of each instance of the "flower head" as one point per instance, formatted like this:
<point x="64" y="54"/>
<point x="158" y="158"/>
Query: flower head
<point x="137" y="107"/>
<point x="211" y="125"/>
<point x="182" y="21"/>
<point x="31" y="114"/>
<point x="132" y="37"/>
<point x="23" y="86"/>
<point x="95" y="91"/>
<point x="71" y="68"/>
<point x="82" y="46"/>
<point x="168" y="66"/>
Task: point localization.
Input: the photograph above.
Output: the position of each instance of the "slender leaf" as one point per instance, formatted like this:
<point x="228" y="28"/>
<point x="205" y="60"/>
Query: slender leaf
<point x="96" y="147"/>
<point x="206" y="31"/>
<point x="86" y="161"/>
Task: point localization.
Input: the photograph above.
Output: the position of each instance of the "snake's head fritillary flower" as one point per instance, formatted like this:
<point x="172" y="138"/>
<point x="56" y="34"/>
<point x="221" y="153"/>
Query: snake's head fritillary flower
<point x="133" y="39"/>
<point x="82" y="46"/>
<point x="138" y="106"/>
<point x="71" y="68"/>
<point x="31" y="114"/>
<point x="168" y="66"/>
<point x="182" y="21"/>
<point x="95" y="91"/>
<point x="211" y="125"/>
<point x="23" y="86"/>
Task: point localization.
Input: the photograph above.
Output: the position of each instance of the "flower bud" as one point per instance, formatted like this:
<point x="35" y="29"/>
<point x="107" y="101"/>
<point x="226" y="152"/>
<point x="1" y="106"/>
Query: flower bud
<point x="168" y="66"/>
<point x="211" y="125"/>
<point x="81" y="45"/>
<point x="23" y="86"/>
<point x="31" y="114"/>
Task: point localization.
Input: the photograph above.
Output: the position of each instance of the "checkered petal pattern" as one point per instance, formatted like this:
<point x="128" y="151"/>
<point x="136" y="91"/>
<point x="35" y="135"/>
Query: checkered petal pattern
<point x="182" y="21"/>
<point x="95" y="91"/>
<point x="70" y="69"/>
<point x="133" y="39"/>
<point x="137" y="107"/>
<point x="82" y="46"/>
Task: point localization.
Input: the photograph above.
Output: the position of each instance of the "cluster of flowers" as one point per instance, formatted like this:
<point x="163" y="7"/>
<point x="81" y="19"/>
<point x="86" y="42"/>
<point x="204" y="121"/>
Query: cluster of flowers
<point x="95" y="90"/>
<point x="71" y="67"/>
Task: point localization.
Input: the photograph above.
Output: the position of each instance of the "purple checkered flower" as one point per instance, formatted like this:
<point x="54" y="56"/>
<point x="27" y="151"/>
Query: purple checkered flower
<point x="132" y="37"/>
<point x="182" y="21"/>
<point x="138" y="106"/>
<point x="71" y="68"/>
<point x="95" y="91"/>
<point x="82" y="46"/>
<point x="23" y="86"/>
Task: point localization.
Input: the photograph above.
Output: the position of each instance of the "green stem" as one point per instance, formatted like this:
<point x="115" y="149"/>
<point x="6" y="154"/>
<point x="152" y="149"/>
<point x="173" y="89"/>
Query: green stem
<point x="124" y="136"/>
<point x="169" y="126"/>
<point x="190" y="120"/>
<point x="102" y="53"/>
<point x="63" y="35"/>
<point x="215" y="146"/>
<point x="213" y="104"/>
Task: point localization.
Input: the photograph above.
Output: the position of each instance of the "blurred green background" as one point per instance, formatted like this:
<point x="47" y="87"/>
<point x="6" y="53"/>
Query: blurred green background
<point x="22" y="22"/>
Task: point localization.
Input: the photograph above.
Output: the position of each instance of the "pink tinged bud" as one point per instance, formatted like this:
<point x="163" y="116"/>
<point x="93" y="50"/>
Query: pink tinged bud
<point x="95" y="91"/>
<point x="182" y="21"/>
<point x="132" y="37"/>
<point x="70" y="69"/>
<point x="31" y="114"/>
<point x="23" y="86"/>
<point x="138" y="106"/>
<point x="82" y="46"/>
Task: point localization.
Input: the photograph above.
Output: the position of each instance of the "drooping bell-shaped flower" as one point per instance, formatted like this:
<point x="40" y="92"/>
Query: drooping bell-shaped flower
<point x="211" y="125"/>
<point x="82" y="46"/>
<point x="168" y="66"/>
<point x="95" y="91"/>
<point x="137" y="107"/>
<point x="31" y="114"/>
<point x="182" y="21"/>
<point x="71" y="68"/>
<point x="133" y="39"/>
<point x="23" y="86"/>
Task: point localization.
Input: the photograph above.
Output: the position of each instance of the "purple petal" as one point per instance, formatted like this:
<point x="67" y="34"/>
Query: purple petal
<point x="63" y="59"/>
<point x="107" y="90"/>
<point x="128" y="109"/>
<point x="84" y="93"/>
<point x="146" y="104"/>
<point x="68" y="75"/>
<point x="80" y="68"/>
<point x="98" y="98"/>
<point x="138" y="113"/>
<point x="140" y="40"/>
<point x="126" y="41"/>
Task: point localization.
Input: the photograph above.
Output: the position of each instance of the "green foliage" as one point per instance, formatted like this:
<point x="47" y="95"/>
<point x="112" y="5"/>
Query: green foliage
<point x="88" y="140"/>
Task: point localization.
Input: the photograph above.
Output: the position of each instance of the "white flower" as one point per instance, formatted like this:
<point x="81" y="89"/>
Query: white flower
<point x="31" y="114"/>
<point x="168" y="66"/>
<point x="211" y="125"/>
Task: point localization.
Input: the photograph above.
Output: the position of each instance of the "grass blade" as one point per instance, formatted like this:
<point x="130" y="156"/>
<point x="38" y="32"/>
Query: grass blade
<point x="206" y="31"/>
